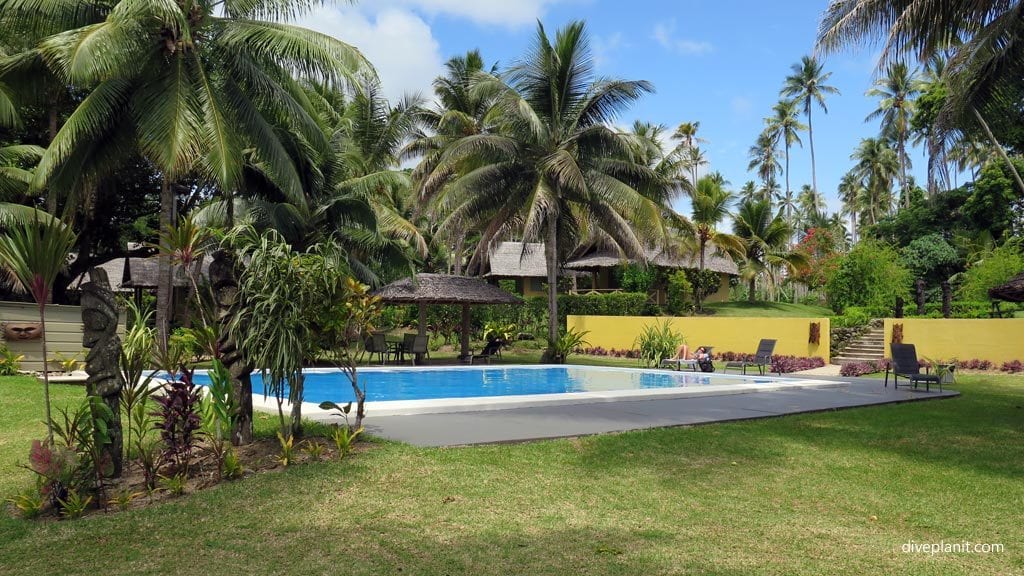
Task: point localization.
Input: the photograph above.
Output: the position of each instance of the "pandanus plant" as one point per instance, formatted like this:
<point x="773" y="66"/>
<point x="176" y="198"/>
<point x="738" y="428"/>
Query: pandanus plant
<point x="33" y="253"/>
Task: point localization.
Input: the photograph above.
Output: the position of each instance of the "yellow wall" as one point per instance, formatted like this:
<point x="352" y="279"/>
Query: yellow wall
<point x="63" y="332"/>
<point x="997" y="340"/>
<point x="725" y="334"/>
<point x="723" y="290"/>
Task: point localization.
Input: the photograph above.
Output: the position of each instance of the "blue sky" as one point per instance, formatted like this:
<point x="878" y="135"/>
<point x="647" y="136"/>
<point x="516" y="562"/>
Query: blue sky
<point x="720" y="63"/>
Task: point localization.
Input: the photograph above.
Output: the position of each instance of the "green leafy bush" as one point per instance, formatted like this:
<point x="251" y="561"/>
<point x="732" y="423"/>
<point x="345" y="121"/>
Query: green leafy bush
<point x="995" y="268"/>
<point x="703" y="282"/>
<point x="10" y="363"/>
<point x="657" y="342"/>
<point x="679" y="293"/>
<point x="872" y="275"/>
<point x="636" y="278"/>
<point x="568" y="342"/>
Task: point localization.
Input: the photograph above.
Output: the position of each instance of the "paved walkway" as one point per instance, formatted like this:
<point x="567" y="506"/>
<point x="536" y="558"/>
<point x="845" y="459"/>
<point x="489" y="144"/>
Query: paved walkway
<point x="519" y="424"/>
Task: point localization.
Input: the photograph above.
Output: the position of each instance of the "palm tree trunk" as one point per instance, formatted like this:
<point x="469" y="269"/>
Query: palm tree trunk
<point x="46" y="374"/>
<point x="903" y="172"/>
<point x="164" y="285"/>
<point x="752" y="287"/>
<point x="697" y="296"/>
<point x="551" y="255"/>
<point x="457" y="253"/>
<point x="999" y="147"/>
<point x="810" y="139"/>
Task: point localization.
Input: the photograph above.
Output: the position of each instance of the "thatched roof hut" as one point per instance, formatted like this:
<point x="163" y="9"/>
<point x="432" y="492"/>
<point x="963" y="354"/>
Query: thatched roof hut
<point x="608" y="259"/>
<point x="445" y="289"/>
<point x="130" y="273"/>
<point x="1012" y="291"/>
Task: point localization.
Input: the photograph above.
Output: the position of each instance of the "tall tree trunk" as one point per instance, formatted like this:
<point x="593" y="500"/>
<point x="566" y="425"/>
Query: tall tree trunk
<point x="999" y="147"/>
<point x="903" y="171"/>
<point x="810" y="139"/>
<point x="457" y="253"/>
<point x="164" y="281"/>
<point x="51" y="133"/>
<point x="46" y="374"/>
<point x="698" y="295"/>
<point x="752" y="287"/>
<point x="551" y="255"/>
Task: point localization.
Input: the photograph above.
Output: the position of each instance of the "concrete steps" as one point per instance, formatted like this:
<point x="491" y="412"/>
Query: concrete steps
<point x="869" y="347"/>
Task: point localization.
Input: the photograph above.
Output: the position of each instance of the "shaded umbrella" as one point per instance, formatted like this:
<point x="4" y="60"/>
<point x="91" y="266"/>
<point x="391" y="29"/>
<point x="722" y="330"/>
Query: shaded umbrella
<point x="1012" y="291"/>
<point x="445" y="289"/>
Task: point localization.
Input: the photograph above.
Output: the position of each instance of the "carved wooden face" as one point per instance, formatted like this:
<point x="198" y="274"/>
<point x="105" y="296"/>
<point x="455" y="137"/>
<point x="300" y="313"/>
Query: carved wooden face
<point x="23" y="330"/>
<point x="97" y="326"/>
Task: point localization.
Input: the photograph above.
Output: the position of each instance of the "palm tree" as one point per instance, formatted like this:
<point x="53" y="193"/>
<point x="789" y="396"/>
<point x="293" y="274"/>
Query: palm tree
<point x="195" y="86"/>
<point x="749" y="191"/>
<point x="785" y="127"/>
<point x="355" y="194"/>
<point x="686" y="134"/>
<point x="811" y="204"/>
<point x="461" y="111"/>
<point x="807" y="83"/>
<point x="850" y="192"/>
<point x="932" y="90"/>
<point x="765" y="237"/>
<point x="764" y="158"/>
<point x="553" y="168"/>
<point x="982" y="38"/>
<point x="647" y="140"/>
<point x="896" y="91"/>
<point x="877" y="166"/>
<point x="33" y="253"/>
<point x="710" y="202"/>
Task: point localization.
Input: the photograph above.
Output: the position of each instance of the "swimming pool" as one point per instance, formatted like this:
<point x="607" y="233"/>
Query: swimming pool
<point x="386" y="384"/>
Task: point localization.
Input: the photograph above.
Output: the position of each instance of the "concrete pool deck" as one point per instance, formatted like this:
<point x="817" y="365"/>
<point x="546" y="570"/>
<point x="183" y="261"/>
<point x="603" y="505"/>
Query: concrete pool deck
<point x="579" y="419"/>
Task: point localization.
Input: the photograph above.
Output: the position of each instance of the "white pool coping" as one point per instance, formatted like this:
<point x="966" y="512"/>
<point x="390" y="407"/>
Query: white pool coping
<point x="484" y="403"/>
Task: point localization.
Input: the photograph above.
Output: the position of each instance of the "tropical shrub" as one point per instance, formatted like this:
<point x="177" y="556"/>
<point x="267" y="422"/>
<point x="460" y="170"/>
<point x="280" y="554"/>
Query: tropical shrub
<point x="790" y="364"/>
<point x="931" y="257"/>
<point x="703" y="283"/>
<point x="871" y="274"/>
<point x="568" y="342"/>
<point x="10" y="363"/>
<point x="679" y="293"/>
<point x="178" y="421"/>
<point x="995" y="268"/>
<point x="862" y="368"/>
<point x="636" y="278"/>
<point x="657" y="342"/>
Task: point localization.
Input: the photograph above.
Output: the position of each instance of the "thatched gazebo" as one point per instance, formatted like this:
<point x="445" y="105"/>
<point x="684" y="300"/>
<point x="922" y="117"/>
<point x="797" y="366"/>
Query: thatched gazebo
<point x="1012" y="291"/>
<point x="445" y="289"/>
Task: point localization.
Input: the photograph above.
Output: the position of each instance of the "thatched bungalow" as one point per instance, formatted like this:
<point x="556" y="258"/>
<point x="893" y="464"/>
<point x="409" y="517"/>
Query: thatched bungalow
<point x="509" y="261"/>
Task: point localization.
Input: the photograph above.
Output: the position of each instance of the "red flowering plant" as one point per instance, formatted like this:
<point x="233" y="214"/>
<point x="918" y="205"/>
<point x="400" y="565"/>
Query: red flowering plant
<point x="57" y="467"/>
<point x="820" y="247"/>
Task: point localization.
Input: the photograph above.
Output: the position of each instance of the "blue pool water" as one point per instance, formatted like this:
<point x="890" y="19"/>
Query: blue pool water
<point x="384" y="384"/>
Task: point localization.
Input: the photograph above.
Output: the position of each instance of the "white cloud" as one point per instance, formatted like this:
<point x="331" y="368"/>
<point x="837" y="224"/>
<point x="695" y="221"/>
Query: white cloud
<point x="399" y="43"/>
<point x="664" y="34"/>
<point x="605" y="46"/>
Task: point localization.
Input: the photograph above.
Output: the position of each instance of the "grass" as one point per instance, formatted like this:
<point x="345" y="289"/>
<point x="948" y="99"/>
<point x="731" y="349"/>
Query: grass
<point x="767" y="309"/>
<point x="836" y="493"/>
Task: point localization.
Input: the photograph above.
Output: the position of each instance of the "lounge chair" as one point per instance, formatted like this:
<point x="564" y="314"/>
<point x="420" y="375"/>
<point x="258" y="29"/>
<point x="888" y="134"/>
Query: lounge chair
<point x="762" y="358"/>
<point x="491" y="349"/>
<point x="678" y="362"/>
<point x="904" y="363"/>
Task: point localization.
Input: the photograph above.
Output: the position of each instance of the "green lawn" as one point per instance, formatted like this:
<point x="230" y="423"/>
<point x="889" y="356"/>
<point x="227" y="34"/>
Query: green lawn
<point x="835" y="493"/>
<point x="767" y="309"/>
